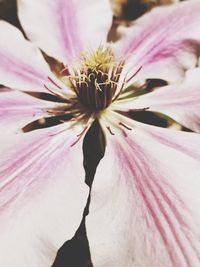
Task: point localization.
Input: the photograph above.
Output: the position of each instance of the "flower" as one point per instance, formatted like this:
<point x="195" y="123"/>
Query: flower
<point x="144" y="208"/>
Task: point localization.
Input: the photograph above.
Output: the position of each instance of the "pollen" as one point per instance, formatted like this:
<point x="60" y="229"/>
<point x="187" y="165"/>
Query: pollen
<point x="101" y="59"/>
<point x="96" y="82"/>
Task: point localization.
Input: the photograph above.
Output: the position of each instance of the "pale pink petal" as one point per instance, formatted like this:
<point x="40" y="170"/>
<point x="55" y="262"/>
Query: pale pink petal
<point x="64" y="29"/>
<point x="42" y="194"/>
<point x="145" y="201"/>
<point x="163" y="42"/>
<point x="21" y="64"/>
<point x="181" y="102"/>
<point x="18" y="109"/>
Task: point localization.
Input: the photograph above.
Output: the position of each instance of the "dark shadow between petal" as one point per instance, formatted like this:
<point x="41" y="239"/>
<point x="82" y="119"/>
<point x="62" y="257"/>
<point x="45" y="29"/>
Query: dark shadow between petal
<point x="75" y="252"/>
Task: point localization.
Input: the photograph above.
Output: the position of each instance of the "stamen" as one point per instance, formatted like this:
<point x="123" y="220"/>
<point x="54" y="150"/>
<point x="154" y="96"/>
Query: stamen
<point x="139" y="109"/>
<point x="125" y="126"/>
<point x="61" y="131"/>
<point x="56" y="94"/>
<point x="110" y="131"/>
<point x="51" y="91"/>
<point x="72" y="119"/>
<point x="65" y="71"/>
<point x="54" y="83"/>
<point x="97" y="82"/>
<point x="79" y="136"/>
<point x="118" y="94"/>
<point x="128" y="80"/>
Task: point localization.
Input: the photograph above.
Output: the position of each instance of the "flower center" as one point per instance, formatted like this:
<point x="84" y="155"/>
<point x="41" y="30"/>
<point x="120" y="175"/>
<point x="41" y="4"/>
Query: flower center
<point x="96" y="82"/>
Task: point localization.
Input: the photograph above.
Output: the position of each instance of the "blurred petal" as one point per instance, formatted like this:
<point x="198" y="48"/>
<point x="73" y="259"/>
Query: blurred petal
<point x="145" y="201"/>
<point x="18" y="109"/>
<point x="163" y="42"/>
<point x="181" y="102"/>
<point x="42" y="194"/>
<point x="64" y="29"/>
<point x="21" y="64"/>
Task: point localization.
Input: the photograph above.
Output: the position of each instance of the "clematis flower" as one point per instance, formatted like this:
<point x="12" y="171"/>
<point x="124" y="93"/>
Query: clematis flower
<point x="144" y="208"/>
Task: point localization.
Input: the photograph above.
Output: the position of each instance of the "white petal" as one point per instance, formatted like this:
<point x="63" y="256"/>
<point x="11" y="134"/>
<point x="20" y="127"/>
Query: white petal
<point x="42" y="194"/>
<point x="18" y="109"/>
<point x="181" y="102"/>
<point x="21" y="64"/>
<point x="64" y="29"/>
<point x="163" y="42"/>
<point x="145" y="200"/>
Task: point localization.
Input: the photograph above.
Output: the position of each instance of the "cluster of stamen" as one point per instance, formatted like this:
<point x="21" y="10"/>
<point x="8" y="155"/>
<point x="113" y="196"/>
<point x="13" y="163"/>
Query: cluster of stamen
<point x="96" y="83"/>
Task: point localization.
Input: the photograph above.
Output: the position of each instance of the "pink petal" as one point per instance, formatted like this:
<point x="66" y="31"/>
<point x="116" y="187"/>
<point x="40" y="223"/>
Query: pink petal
<point x="21" y="64"/>
<point x="145" y="201"/>
<point x="163" y="42"/>
<point x="64" y="29"/>
<point x="181" y="102"/>
<point x="18" y="109"/>
<point x="42" y="194"/>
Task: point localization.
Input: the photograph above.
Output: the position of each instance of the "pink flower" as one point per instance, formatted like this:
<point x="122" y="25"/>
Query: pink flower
<point x="145" y="198"/>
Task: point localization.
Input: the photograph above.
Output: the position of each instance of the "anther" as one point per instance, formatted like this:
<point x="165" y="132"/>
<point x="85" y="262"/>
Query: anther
<point x="125" y="126"/>
<point x="110" y="131"/>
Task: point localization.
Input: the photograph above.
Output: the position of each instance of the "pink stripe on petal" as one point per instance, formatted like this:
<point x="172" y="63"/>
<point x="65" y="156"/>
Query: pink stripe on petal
<point x="185" y="142"/>
<point x="145" y="199"/>
<point x="64" y="29"/>
<point x="21" y="64"/>
<point x="18" y="109"/>
<point x="42" y="194"/>
<point x="163" y="42"/>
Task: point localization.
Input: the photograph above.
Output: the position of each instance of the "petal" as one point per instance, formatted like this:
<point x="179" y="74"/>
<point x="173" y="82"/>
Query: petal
<point x="64" y="29"/>
<point x="181" y="102"/>
<point x="21" y="64"/>
<point x="18" y="109"/>
<point x="43" y="194"/>
<point x="145" y="201"/>
<point x="163" y="42"/>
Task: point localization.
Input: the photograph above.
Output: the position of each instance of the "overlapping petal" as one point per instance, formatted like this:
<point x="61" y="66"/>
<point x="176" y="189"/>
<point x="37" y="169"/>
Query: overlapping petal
<point x="181" y="102"/>
<point x="18" y="109"/>
<point x="21" y="64"/>
<point x="64" y="29"/>
<point x="42" y="194"/>
<point x="163" y="42"/>
<point x="145" y="198"/>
